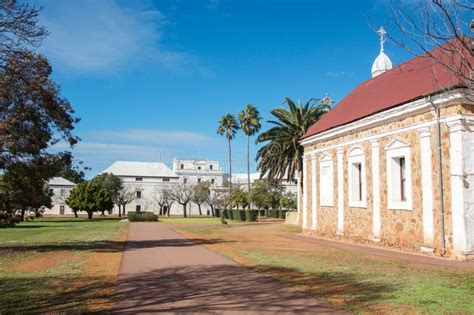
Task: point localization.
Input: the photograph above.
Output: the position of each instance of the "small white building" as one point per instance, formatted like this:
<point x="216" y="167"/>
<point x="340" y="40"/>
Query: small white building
<point x="60" y="188"/>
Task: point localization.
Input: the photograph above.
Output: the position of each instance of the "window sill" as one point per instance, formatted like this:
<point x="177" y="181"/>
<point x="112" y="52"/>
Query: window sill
<point x="327" y="205"/>
<point x="357" y="204"/>
<point x="400" y="206"/>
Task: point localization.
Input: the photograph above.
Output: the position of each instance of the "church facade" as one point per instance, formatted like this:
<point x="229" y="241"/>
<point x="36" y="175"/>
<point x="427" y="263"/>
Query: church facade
<point x="393" y="162"/>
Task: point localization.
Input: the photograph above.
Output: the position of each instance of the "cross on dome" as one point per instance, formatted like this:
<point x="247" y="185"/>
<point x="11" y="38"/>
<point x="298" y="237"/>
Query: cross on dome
<point x="382" y="63"/>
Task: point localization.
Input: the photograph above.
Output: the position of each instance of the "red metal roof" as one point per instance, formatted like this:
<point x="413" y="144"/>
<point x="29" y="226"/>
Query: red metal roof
<point x="411" y="80"/>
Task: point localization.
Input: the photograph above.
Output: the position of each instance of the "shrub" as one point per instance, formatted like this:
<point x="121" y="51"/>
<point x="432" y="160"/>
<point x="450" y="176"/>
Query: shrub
<point x="283" y="214"/>
<point x="273" y="214"/>
<point x="239" y="215"/>
<point x="217" y="213"/>
<point x="230" y="214"/>
<point x="142" y="216"/>
<point x="251" y="215"/>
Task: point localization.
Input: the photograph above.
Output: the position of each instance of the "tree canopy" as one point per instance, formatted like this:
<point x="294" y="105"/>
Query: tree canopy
<point x="89" y="197"/>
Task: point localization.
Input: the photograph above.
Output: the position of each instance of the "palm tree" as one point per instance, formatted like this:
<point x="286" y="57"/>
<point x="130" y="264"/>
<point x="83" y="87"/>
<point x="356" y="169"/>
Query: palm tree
<point x="282" y="154"/>
<point x="250" y="125"/>
<point x="228" y="126"/>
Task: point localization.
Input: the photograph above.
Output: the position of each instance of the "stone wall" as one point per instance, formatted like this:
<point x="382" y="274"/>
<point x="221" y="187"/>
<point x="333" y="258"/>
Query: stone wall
<point x="399" y="228"/>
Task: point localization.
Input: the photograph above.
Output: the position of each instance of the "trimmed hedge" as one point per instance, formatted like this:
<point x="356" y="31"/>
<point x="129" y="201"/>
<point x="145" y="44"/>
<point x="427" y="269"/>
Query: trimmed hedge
<point x="142" y="216"/>
<point x="283" y="214"/>
<point x="251" y="215"/>
<point x="274" y="214"/>
<point x="217" y="213"/>
<point x="230" y="214"/>
<point x="239" y="215"/>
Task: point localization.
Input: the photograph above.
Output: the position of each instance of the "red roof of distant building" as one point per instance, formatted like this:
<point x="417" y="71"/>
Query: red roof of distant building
<point x="411" y="80"/>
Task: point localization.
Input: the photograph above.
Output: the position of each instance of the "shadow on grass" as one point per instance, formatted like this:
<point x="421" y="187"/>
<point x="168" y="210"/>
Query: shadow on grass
<point x="110" y="246"/>
<point x="202" y="289"/>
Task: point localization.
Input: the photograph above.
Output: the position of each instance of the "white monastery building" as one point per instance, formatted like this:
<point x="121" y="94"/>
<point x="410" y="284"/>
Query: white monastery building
<point x="60" y="189"/>
<point x="372" y="168"/>
<point x="147" y="180"/>
<point x="196" y="171"/>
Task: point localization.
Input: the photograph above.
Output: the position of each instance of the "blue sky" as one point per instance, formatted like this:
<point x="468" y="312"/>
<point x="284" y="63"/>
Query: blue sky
<point x="150" y="79"/>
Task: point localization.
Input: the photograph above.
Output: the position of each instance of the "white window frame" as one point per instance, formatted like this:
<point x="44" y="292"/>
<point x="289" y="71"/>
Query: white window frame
<point x="326" y="183"/>
<point x="394" y="150"/>
<point x="357" y="156"/>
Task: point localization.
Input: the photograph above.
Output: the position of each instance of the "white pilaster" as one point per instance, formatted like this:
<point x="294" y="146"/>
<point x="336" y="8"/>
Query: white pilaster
<point x="461" y="211"/>
<point x="314" y="194"/>
<point x="427" y="185"/>
<point x="340" y="192"/>
<point x="305" y="195"/>
<point x="377" y="223"/>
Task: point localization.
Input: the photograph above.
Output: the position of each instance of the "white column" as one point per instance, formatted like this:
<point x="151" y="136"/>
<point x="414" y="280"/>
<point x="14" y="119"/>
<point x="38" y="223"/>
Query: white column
<point x="340" y="192"/>
<point x="460" y="209"/>
<point x="377" y="223"/>
<point x="305" y="195"/>
<point x="427" y="185"/>
<point x="314" y="194"/>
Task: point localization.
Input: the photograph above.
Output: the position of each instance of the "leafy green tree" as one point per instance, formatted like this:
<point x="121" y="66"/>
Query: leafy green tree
<point x="288" y="201"/>
<point x="72" y="170"/>
<point x="239" y="197"/>
<point x="112" y="183"/>
<point x="282" y="155"/>
<point x="228" y="126"/>
<point x="261" y="195"/>
<point x="89" y="197"/>
<point x="201" y="194"/>
<point x="250" y="125"/>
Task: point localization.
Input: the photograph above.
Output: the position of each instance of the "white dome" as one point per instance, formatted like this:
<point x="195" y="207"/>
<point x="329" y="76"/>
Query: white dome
<point x="381" y="64"/>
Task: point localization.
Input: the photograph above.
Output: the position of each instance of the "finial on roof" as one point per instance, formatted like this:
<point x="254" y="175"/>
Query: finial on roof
<point x="382" y="63"/>
<point x="327" y="100"/>
<point x="382" y="32"/>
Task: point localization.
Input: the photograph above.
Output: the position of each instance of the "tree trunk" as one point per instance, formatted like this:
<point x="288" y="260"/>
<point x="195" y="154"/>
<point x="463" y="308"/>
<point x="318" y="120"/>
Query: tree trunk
<point x="212" y="211"/>
<point x="248" y="163"/>
<point x="223" y="213"/>
<point x="230" y="164"/>
<point x="22" y="215"/>
<point x="199" y="207"/>
<point x="184" y="211"/>
<point x="89" y="215"/>
<point x="119" y="211"/>
<point x="75" y="214"/>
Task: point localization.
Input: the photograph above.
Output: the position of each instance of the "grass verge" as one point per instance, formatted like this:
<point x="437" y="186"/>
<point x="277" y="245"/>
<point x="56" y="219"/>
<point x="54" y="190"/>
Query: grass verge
<point x="353" y="281"/>
<point x="60" y="265"/>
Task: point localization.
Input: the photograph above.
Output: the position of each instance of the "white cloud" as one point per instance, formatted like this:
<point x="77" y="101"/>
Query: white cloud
<point x="101" y="148"/>
<point x="97" y="36"/>
<point x="172" y="138"/>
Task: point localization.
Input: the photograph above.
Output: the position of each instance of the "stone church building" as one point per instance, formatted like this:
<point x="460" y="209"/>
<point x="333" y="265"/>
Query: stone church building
<point x="372" y="169"/>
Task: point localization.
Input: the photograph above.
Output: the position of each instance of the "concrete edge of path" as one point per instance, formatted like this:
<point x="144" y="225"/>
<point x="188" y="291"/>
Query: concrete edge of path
<point x="385" y="253"/>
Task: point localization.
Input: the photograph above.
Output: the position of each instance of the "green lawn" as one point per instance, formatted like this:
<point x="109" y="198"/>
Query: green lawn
<point x="353" y="281"/>
<point x="51" y="264"/>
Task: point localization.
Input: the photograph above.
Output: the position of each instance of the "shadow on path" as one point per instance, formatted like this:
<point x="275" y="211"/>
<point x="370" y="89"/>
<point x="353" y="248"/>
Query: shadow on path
<point x="111" y="246"/>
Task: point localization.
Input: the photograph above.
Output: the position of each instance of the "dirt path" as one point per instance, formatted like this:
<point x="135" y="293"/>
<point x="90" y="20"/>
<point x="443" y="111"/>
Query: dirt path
<point x="163" y="272"/>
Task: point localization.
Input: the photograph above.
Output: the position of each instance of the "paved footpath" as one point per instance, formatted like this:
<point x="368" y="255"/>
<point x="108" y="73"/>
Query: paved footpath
<point x="161" y="271"/>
